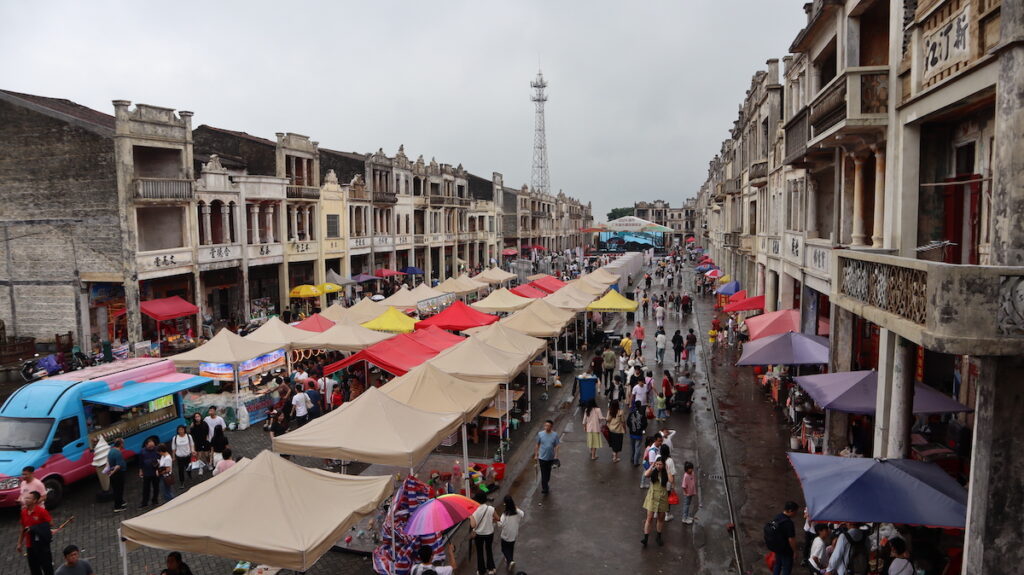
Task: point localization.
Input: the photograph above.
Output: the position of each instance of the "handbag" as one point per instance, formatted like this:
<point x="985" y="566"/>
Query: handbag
<point x="650" y="412"/>
<point x="605" y="431"/>
<point x="673" y="498"/>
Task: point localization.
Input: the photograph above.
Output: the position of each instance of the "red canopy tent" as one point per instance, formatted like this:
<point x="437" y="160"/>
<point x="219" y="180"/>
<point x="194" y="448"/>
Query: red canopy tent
<point x="749" y="304"/>
<point x="458" y="317"/>
<point x="399" y="354"/>
<point x="738" y="296"/>
<point x="168" y="308"/>
<point x="528" y="290"/>
<point x="315" y="322"/>
<point x="435" y="338"/>
<point x="386" y="273"/>
<point x="549" y="284"/>
<point x="534" y="247"/>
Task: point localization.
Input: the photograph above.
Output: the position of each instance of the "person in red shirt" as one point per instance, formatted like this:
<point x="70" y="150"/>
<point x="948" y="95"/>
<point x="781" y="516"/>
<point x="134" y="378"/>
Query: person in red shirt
<point x="35" y="536"/>
<point x="716" y="325"/>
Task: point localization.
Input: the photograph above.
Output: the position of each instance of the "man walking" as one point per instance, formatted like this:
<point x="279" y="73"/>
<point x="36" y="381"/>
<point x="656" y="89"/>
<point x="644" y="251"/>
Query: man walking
<point x="636" y="424"/>
<point x="212" y="421"/>
<point x="35" y="536"/>
<point x="546" y="453"/>
<point x="30" y="483"/>
<point x="691" y="348"/>
<point x="608" y="364"/>
<point x="780" y="538"/>
<point x="73" y="563"/>
<point x="116" y="467"/>
<point x="638" y="336"/>
<point x="149" y="462"/>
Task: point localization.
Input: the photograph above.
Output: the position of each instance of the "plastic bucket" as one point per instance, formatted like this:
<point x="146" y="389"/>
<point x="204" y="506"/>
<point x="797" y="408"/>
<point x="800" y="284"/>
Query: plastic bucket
<point x="499" y="471"/>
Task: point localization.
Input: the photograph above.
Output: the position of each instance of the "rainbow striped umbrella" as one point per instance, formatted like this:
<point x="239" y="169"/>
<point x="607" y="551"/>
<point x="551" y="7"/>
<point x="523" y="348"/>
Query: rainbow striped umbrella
<point x="439" y="514"/>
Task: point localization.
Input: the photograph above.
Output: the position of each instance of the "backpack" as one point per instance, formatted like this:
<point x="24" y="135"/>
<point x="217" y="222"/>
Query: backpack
<point x="857" y="558"/>
<point x="774" y="538"/>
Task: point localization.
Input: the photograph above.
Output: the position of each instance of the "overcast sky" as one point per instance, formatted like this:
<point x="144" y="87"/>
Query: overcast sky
<point x="641" y="93"/>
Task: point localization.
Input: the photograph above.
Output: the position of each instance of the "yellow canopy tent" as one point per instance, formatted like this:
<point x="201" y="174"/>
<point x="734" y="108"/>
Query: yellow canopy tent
<point x="392" y="321"/>
<point x="613" y="301"/>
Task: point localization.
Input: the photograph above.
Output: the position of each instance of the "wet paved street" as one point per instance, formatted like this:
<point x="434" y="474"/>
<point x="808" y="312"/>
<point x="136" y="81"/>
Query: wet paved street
<point x="592" y="520"/>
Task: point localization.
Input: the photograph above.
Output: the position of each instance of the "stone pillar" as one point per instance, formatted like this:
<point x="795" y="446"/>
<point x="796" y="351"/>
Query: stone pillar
<point x="837" y="424"/>
<point x="878" y="219"/>
<point x="858" y="237"/>
<point x="901" y="417"/>
<point x="883" y="400"/>
<point x="771" y="295"/>
<point x="254" y="223"/>
<point x="440" y="263"/>
<point x="307" y="220"/>
<point x="293" y="215"/>
<point x="761" y="281"/>
<point x="811" y="201"/>
<point x="225" y="224"/>
<point x="428" y="263"/>
<point x="205" y="229"/>
<point x="786" y="287"/>
<point x="270" y="224"/>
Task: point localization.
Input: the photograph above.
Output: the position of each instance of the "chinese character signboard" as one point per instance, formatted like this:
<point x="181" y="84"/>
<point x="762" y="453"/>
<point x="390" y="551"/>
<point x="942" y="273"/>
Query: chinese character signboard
<point x="948" y="44"/>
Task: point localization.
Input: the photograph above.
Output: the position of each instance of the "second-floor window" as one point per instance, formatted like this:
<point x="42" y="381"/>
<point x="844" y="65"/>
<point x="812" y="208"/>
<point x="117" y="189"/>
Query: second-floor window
<point x="333" y="226"/>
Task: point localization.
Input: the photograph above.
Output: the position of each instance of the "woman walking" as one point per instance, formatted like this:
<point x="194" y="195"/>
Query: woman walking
<point x="482" y="522"/>
<point x="656" y="502"/>
<point x="510" y="520"/>
<point x="165" y="470"/>
<point x="218" y="443"/>
<point x="677" y="347"/>
<point x="200" y="431"/>
<point x="183" y="447"/>
<point x="616" y="429"/>
<point x="592" y="419"/>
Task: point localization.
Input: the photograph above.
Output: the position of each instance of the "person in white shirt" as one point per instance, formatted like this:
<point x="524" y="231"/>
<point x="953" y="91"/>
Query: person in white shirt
<point x="901" y="564"/>
<point x="482" y="521"/>
<point x="165" y="469"/>
<point x="183" y="448"/>
<point x="212" y="420"/>
<point x="640" y="392"/>
<point x="509" y="521"/>
<point x="425" y="555"/>
<point x="660" y="341"/>
<point x="659" y="315"/>
<point x="818" y="547"/>
<point x="301" y="404"/>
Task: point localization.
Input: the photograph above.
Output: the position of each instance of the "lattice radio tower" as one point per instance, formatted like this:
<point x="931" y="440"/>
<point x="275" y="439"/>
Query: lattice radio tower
<point x="540" y="180"/>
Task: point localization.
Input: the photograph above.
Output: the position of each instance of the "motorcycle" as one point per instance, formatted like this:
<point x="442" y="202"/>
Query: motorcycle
<point x="37" y="368"/>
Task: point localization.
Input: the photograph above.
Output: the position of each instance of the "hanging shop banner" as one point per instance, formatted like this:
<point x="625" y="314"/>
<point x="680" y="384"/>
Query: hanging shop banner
<point x="255" y="366"/>
<point x="218" y="371"/>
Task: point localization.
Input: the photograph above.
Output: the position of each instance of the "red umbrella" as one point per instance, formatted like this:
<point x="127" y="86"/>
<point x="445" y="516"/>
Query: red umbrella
<point x="714" y="274"/>
<point x="509" y="252"/>
<point x="534" y="247"/>
<point x="386" y="273"/>
<point x="691" y="239"/>
<point x="738" y="296"/>
<point x="749" y="304"/>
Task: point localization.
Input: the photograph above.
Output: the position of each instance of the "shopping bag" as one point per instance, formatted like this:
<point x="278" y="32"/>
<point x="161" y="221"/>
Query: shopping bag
<point x="673" y="498"/>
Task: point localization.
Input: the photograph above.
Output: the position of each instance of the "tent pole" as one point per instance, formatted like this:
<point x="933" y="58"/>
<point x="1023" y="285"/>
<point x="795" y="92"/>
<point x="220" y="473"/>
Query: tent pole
<point x="465" y="459"/>
<point x="123" y="550"/>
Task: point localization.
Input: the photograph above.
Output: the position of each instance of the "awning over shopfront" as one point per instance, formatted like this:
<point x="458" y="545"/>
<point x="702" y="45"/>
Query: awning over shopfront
<point x="392" y="321"/>
<point x="613" y="301"/>
<point x="148" y="390"/>
<point x="750" y="304"/>
<point x="501" y="300"/>
<point x="265" y="510"/>
<point x="431" y="389"/>
<point x="164" y="309"/>
<point x="776" y="322"/>
<point x="373" y="428"/>
<point x="458" y="317"/>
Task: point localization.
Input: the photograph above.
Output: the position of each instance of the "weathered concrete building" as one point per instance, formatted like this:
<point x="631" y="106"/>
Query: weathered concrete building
<point x="894" y="194"/>
<point x="682" y="220"/>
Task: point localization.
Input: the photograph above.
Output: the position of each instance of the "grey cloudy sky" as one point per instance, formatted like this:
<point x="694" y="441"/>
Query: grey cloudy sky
<point x="641" y="93"/>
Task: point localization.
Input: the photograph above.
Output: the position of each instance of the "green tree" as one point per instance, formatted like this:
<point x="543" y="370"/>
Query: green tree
<point x="617" y="213"/>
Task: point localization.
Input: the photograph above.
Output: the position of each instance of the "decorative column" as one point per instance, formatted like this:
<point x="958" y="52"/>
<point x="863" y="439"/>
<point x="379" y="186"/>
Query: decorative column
<point x="810" y="196"/>
<point x="901" y="416"/>
<point x="306" y="219"/>
<point x="205" y="237"/>
<point x="293" y="215"/>
<point x="270" y="224"/>
<point x="254" y="223"/>
<point x="879" y="216"/>
<point x="858" y="235"/>
<point x="771" y="291"/>
<point x="225" y="224"/>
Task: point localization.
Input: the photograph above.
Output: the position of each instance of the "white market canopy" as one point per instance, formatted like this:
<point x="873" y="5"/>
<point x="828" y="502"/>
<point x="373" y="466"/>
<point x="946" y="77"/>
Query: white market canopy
<point x="277" y="332"/>
<point x="494" y="275"/>
<point x="501" y="300"/>
<point x="225" y="347"/>
<point x="265" y="510"/>
<point x="343" y="337"/>
<point x="474" y="360"/>
<point x="361" y="312"/>
<point x="373" y="428"/>
<point x="430" y="389"/>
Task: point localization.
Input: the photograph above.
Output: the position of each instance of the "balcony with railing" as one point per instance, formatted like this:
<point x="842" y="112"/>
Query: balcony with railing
<point x="163" y="189"/>
<point x="359" y="195"/>
<point x="796" y="137"/>
<point x="302" y="193"/>
<point x="730" y="239"/>
<point x="384" y="198"/>
<point x="855" y="101"/>
<point x="732" y="186"/>
<point x="949" y="308"/>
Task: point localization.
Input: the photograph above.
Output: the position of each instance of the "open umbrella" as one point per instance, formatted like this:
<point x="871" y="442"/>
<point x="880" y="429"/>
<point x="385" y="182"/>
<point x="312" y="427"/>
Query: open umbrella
<point x="776" y="322"/>
<point x="750" y="304"/>
<point x="364" y="278"/>
<point x="304" y="291"/>
<point x="861" y="490"/>
<point x="738" y="296"/>
<point x="857" y="391"/>
<point x="725" y="279"/>
<point x="691" y="240"/>
<point x="386" y="273"/>
<point x="439" y="514"/>
<point x="412" y="270"/>
<point x="790" y="348"/>
<point x="728" y="288"/>
<point x="714" y="273"/>
<point x="330" y="287"/>
<point x="509" y="252"/>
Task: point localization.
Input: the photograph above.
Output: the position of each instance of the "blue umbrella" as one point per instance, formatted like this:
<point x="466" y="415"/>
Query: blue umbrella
<point x="729" y="288"/>
<point x="857" y="391"/>
<point x="411" y="270"/>
<point x="861" y="490"/>
<point x="790" y="348"/>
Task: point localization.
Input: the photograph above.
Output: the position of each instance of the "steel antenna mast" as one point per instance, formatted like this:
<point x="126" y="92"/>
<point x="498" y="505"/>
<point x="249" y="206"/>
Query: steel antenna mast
<point x="541" y="179"/>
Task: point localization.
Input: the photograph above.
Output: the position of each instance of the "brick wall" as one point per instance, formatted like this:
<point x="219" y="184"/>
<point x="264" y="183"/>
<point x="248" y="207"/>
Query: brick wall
<point x="52" y="172"/>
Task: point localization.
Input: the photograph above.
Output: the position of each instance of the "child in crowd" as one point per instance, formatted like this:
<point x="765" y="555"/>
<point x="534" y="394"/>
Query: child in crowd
<point x="661" y="407"/>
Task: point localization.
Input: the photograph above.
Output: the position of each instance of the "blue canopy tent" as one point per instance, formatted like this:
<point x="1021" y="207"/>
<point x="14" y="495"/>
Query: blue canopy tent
<point x="728" y="288"/>
<point x="411" y="270"/>
<point x="861" y="490"/>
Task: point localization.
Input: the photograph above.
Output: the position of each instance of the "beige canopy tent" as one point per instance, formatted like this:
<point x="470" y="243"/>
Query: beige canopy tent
<point x="344" y="337"/>
<point x="361" y="312"/>
<point x="494" y="275"/>
<point x="429" y="388"/>
<point x="373" y="428"/>
<point x="225" y="347"/>
<point x="570" y="298"/>
<point x="508" y="339"/>
<point x="501" y="300"/>
<point x="406" y="298"/>
<point x="545" y="309"/>
<point x="265" y="510"/>
<point x="604" y="276"/>
<point x="528" y="321"/>
<point x="461" y="285"/>
<point x="277" y="332"/>
<point x="590" y="286"/>
<point x="536" y="277"/>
